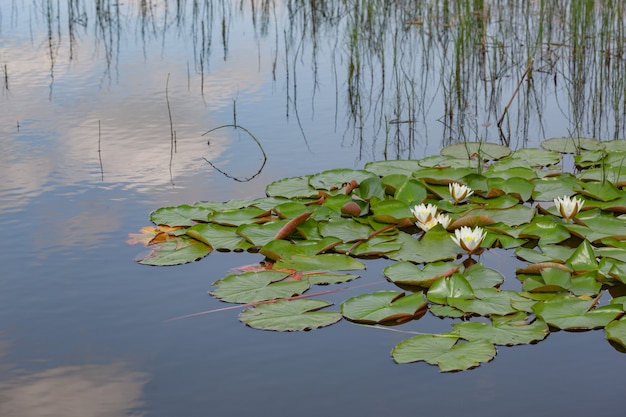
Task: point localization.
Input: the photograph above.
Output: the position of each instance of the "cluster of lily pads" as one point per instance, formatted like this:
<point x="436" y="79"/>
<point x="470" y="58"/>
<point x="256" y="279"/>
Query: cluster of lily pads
<point x="434" y="217"/>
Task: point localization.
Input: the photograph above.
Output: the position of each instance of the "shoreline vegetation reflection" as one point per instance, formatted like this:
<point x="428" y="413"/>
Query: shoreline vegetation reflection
<point x="404" y="74"/>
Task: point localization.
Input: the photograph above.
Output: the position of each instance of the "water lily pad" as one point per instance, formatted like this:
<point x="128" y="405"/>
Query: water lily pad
<point x="383" y="168"/>
<point x="476" y="150"/>
<point x="391" y="211"/>
<point x="290" y="315"/>
<point x="488" y="301"/>
<point x="176" y="253"/>
<point x="571" y="313"/>
<point x="409" y="274"/>
<point x="219" y="237"/>
<point x="184" y="215"/>
<point x="323" y="262"/>
<point x="261" y="234"/>
<point x="369" y="188"/>
<point x="537" y="157"/>
<point x="479" y="276"/>
<point x="291" y="188"/>
<point x="327" y="278"/>
<point x="508" y="334"/>
<point x="384" y="307"/>
<point x="348" y="230"/>
<point x="455" y="286"/>
<point x="283" y="249"/>
<point x="238" y="217"/>
<point x="616" y="332"/>
<point x="603" y="191"/>
<point x="252" y="287"/>
<point x="337" y="178"/>
<point x="411" y="192"/>
<point x="547" y="189"/>
<point x="570" y="145"/>
<point x="446" y="351"/>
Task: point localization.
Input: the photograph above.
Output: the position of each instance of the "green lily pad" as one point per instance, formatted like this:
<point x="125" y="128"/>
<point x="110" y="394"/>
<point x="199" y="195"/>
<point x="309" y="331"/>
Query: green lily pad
<point x="507" y="334"/>
<point x="323" y="262"/>
<point x="385" y="307"/>
<point x="219" y="237"/>
<point x="252" y="287"/>
<point x="283" y="249"/>
<point x="571" y="145"/>
<point x="184" y="215"/>
<point x="336" y="178"/>
<point x="296" y="187"/>
<point x="444" y="350"/>
<point x="348" y="230"/>
<point x="547" y="189"/>
<point x="176" y="253"/>
<point x="479" y="276"/>
<point x="261" y="234"/>
<point x="445" y="288"/>
<point x="537" y="157"/>
<point x="409" y="274"/>
<point x="603" y="191"/>
<point x="488" y="302"/>
<point x="384" y="168"/>
<point x="327" y="278"/>
<point x="391" y="211"/>
<point x="616" y="332"/>
<point x="570" y="313"/>
<point x="476" y="150"/>
<point x="238" y="217"/>
<point x="290" y="315"/>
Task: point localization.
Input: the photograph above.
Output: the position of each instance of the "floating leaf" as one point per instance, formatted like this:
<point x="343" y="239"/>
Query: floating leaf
<point x="570" y="145"/>
<point x="239" y="217"/>
<point x="411" y="192"/>
<point x="570" y="313"/>
<point x="616" y="332"/>
<point x="455" y="286"/>
<point x="291" y="188"/>
<point x="326" y="278"/>
<point x="219" y="237"/>
<point x="176" y="253"/>
<point x="409" y="274"/>
<point x="503" y="333"/>
<point x="348" y="230"/>
<point x="323" y="262"/>
<point x="336" y="178"/>
<point x="184" y="215"/>
<point x="384" y="307"/>
<point x="476" y="150"/>
<point x="444" y="350"/>
<point x="289" y="315"/>
<point x="488" y="301"/>
<point x="252" y="287"/>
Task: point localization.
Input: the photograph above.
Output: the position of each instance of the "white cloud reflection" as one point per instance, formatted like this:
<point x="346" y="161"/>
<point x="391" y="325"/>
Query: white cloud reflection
<point x="74" y="391"/>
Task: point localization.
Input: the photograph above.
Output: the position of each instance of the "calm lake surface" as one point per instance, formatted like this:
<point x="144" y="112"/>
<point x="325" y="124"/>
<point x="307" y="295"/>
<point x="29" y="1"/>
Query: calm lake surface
<point x="102" y="110"/>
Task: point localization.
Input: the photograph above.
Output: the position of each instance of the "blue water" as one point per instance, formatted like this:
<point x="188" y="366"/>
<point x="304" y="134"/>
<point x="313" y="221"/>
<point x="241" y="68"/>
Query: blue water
<point x="86" y="154"/>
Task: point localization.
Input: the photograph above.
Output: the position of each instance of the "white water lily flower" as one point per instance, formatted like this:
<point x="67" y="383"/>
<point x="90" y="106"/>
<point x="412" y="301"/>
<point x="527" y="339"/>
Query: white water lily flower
<point x="442" y="219"/>
<point x="424" y="213"/>
<point x="469" y="239"/>
<point x="568" y="207"/>
<point x="459" y="192"/>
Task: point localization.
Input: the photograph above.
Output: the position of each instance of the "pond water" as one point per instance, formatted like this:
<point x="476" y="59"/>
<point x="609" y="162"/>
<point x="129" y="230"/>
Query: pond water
<point x="103" y="106"/>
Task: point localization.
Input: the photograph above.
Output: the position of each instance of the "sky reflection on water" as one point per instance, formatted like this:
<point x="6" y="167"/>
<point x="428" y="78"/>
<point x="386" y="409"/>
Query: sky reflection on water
<point x="86" y="153"/>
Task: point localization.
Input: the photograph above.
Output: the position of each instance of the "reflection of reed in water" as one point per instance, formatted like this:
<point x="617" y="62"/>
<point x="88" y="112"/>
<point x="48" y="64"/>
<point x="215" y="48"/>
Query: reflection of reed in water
<point x="407" y="71"/>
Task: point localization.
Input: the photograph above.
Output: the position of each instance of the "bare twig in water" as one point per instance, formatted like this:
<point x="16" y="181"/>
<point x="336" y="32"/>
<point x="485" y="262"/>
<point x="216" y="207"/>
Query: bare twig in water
<point x="236" y="126"/>
<point x="172" y="133"/>
<point x="506" y="109"/>
<point x="100" y="153"/>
